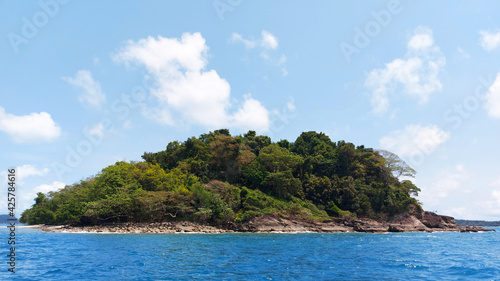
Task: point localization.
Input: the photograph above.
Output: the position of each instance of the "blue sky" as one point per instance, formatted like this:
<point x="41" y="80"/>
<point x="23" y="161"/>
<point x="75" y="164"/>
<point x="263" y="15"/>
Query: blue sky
<point x="85" y="84"/>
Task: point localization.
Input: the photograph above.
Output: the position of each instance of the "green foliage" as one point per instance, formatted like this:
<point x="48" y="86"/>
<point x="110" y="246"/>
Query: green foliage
<point x="334" y="211"/>
<point x="396" y="165"/>
<point x="410" y="188"/>
<point x="218" y="178"/>
<point x="203" y="214"/>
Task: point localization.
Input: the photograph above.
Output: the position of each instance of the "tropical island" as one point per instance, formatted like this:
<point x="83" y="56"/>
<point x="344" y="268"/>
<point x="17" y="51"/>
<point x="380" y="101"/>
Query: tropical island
<point x="246" y="183"/>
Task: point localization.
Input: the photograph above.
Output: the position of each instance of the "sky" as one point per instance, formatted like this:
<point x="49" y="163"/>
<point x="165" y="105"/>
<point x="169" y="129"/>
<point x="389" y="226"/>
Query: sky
<point x="84" y="84"/>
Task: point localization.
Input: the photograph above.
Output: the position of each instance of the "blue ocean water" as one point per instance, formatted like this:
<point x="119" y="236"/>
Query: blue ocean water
<point x="301" y="256"/>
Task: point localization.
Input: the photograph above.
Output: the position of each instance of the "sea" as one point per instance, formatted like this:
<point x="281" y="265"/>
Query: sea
<point x="251" y="256"/>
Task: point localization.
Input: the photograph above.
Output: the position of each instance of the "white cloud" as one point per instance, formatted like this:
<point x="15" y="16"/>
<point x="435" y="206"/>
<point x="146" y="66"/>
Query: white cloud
<point x="458" y="193"/>
<point x="458" y="213"/>
<point x="92" y="93"/>
<point x="414" y="140"/>
<point x="252" y="115"/>
<point x="493" y="205"/>
<point x="446" y="182"/>
<point x="493" y="98"/>
<point x="421" y="40"/>
<point x="28" y="170"/>
<point x="26" y="198"/>
<point x="188" y="93"/>
<point x="496" y="195"/>
<point x="490" y="206"/>
<point x="250" y="44"/>
<point x="44" y="188"/>
<point x="496" y="183"/>
<point x="266" y="43"/>
<point x="282" y="63"/>
<point x="269" y="41"/>
<point x="489" y="40"/>
<point x="25" y="171"/>
<point x="97" y="129"/>
<point x="417" y="73"/>
<point x="25" y="192"/>
<point x="32" y="128"/>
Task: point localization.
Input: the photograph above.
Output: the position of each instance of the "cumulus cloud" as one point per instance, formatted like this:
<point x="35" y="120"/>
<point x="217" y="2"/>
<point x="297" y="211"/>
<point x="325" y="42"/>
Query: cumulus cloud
<point x="493" y="98"/>
<point x="187" y="92"/>
<point x="26" y="171"/>
<point x="489" y="40"/>
<point x="416" y="74"/>
<point x="55" y="186"/>
<point x="421" y="40"/>
<point x="26" y="198"/>
<point x="29" y="170"/>
<point x="414" y="140"/>
<point x="32" y="128"/>
<point x="269" y="41"/>
<point x="92" y="93"/>
<point x="266" y="43"/>
<point x="251" y="115"/>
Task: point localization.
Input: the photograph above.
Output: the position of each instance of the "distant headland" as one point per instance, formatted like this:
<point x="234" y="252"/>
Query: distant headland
<point x="6" y="219"/>
<point x="478" y="223"/>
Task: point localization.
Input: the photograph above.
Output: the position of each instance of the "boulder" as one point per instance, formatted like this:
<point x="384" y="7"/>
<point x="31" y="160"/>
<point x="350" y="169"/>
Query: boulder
<point x="406" y="223"/>
<point x="435" y="221"/>
<point x="370" y="226"/>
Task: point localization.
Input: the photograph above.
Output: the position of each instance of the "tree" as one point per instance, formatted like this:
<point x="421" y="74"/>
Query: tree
<point x="224" y="151"/>
<point x="410" y="188"/>
<point x="319" y="190"/>
<point x="204" y="179"/>
<point x="280" y="164"/>
<point x="256" y="143"/>
<point x="312" y="143"/>
<point x="397" y="166"/>
<point x="277" y="159"/>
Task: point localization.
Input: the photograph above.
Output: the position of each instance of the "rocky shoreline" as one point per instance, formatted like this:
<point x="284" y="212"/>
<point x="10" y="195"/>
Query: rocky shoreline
<point x="428" y="222"/>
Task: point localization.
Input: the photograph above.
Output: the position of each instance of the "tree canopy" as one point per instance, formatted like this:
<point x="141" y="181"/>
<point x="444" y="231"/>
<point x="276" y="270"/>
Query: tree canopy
<point x="220" y="178"/>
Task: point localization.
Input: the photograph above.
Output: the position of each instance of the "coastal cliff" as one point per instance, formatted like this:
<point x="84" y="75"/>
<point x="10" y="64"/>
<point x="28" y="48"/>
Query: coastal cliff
<point x="430" y="222"/>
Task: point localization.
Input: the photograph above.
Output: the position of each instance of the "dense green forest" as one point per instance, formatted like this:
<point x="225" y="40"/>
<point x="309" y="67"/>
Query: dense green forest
<point x="218" y="178"/>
